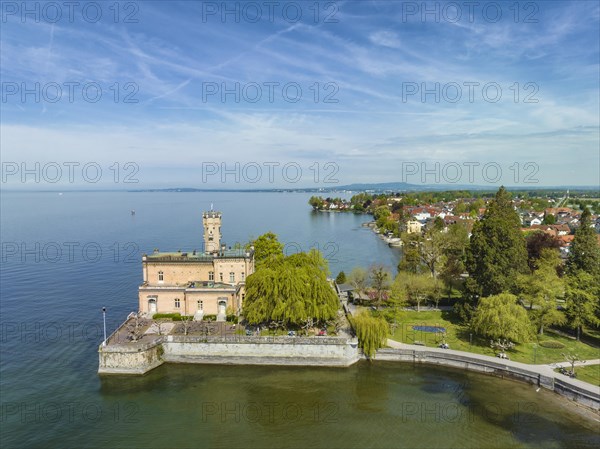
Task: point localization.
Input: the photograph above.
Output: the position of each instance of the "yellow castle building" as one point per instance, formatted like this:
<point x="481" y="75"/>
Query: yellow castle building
<point x="197" y="283"/>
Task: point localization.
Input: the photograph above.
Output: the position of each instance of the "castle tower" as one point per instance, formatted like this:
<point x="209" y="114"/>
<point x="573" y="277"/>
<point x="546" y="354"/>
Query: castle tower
<point x="212" y="231"/>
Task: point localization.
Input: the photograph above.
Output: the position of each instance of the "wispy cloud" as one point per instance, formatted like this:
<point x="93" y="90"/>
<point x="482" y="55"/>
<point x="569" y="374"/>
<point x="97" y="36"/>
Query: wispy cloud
<point x="367" y="58"/>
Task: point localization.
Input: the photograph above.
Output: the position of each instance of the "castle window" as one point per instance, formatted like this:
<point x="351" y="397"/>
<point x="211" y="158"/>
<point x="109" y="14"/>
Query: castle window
<point x="211" y="275"/>
<point x="200" y="305"/>
<point x="232" y="277"/>
<point x="243" y="276"/>
<point x="221" y="277"/>
<point x="161" y="276"/>
<point x="177" y="303"/>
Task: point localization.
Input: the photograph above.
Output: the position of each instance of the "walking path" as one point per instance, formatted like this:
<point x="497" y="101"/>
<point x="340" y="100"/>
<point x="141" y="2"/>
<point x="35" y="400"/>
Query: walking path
<point x="568" y="364"/>
<point x="544" y="370"/>
<point x="397" y="345"/>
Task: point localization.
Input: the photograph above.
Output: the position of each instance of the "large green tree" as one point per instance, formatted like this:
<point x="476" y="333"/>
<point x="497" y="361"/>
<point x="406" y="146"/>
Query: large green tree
<point x="266" y="247"/>
<point x="358" y="279"/>
<point x="411" y="261"/>
<point x="453" y="265"/>
<point x="291" y="290"/>
<point x="536" y="242"/>
<point x="372" y="332"/>
<point x="316" y="202"/>
<point x="497" y="252"/>
<point x="415" y="288"/>
<point x="432" y="249"/>
<point x="501" y="317"/>
<point x="542" y="288"/>
<point x="583" y="300"/>
<point x="584" y="254"/>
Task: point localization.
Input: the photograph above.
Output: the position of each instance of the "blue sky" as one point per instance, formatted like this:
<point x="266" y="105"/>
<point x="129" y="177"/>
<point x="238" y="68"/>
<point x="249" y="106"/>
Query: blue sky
<point x="361" y="67"/>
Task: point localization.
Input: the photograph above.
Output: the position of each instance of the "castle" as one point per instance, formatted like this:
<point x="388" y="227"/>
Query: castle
<point x="198" y="283"/>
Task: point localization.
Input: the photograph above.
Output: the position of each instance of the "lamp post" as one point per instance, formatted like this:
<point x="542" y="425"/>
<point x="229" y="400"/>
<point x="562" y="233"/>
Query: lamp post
<point x="104" y="319"/>
<point x="470" y="340"/>
<point x="534" y="353"/>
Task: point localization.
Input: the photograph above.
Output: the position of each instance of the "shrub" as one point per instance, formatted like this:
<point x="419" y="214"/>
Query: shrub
<point x="210" y="318"/>
<point x="173" y="316"/>
<point x="232" y="318"/>
<point x="552" y="344"/>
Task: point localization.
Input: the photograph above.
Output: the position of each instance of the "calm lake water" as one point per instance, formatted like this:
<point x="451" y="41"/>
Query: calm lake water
<point x="65" y="257"/>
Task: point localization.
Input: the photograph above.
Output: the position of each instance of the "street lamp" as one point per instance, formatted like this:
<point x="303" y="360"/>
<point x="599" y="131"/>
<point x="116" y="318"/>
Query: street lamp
<point x="534" y="353"/>
<point x="470" y="340"/>
<point x="104" y="318"/>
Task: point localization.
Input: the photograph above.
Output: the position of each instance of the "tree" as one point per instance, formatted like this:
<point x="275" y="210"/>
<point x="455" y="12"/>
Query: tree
<point x="414" y="287"/>
<point x="503" y="344"/>
<point x="137" y="326"/>
<point x="585" y="250"/>
<point x="432" y="249"/>
<point x="582" y="300"/>
<point x="460" y="208"/>
<point x="372" y="332"/>
<point x="536" y="242"/>
<point x="501" y="317"/>
<point x="358" y="278"/>
<point x="186" y="321"/>
<point x="316" y="202"/>
<point x="411" y="254"/>
<point x="397" y="300"/>
<point x="438" y="224"/>
<point x="453" y="265"/>
<point x="572" y="358"/>
<point x="549" y="219"/>
<point x="542" y="288"/>
<point x="340" y="278"/>
<point x="379" y="279"/>
<point x="497" y="253"/>
<point x="290" y="290"/>
<point x="381" y="212"/>
<point x="266" y="247"/>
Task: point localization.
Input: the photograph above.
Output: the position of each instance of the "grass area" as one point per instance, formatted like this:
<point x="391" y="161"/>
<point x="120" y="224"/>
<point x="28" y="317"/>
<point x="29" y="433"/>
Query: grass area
<point x="460" y="338"/>
<point x="589" y="374"/>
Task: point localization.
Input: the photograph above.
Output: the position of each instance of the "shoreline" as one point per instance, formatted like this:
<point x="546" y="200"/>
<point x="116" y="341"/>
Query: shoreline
<point x="340" y="352"/>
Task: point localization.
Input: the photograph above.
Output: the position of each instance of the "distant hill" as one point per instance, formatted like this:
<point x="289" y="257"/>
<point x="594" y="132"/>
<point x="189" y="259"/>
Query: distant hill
<point x="377" y="187"/>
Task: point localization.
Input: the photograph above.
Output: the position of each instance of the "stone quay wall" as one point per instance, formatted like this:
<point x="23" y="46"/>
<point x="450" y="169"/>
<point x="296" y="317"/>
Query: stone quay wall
<point x="133" y="358"/>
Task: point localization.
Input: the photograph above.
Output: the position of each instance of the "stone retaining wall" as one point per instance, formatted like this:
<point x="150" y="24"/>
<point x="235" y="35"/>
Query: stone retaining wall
<point x="234" y="349"/>
<point x="130" y="359"/>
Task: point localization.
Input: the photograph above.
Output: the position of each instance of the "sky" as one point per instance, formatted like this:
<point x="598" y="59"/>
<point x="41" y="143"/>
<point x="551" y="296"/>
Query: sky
<point x="300" y="94"/>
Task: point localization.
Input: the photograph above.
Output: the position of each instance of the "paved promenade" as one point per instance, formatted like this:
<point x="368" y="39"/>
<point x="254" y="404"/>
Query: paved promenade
<point x="542" y="370"/>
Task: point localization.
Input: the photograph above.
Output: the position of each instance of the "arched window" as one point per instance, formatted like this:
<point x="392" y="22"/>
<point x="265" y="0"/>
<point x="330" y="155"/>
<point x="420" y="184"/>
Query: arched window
<point x="232" y="277"/>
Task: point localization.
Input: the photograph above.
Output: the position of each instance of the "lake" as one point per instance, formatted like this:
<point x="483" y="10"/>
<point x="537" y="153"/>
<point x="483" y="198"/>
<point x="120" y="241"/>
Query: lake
<point x="64" y="257"/>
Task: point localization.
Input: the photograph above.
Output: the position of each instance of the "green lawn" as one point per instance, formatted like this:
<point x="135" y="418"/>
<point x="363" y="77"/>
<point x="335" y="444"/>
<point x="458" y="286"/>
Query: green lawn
<point x="460" y="338"/>
<point x="589" y="374"/>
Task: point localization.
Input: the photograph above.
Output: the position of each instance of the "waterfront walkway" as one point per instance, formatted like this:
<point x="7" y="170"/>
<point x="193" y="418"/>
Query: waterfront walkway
<point x="397" y="345"/>
<point x="541" y="370"/>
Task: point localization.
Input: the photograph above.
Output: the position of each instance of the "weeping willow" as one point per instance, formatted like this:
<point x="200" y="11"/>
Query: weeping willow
<point x="371" y="332"/>
<point x="290" y="289"/>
